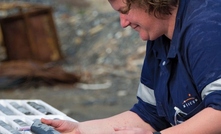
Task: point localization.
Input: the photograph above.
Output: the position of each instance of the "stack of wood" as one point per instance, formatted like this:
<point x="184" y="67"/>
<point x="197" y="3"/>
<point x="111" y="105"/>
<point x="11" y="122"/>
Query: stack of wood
<point x="30" y="39"/>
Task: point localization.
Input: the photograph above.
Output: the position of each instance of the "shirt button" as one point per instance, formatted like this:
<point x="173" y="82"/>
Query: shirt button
<point x="164" y="63"/>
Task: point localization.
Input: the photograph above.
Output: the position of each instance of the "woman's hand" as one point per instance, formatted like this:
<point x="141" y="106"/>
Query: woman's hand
<point x="63" y="126"/>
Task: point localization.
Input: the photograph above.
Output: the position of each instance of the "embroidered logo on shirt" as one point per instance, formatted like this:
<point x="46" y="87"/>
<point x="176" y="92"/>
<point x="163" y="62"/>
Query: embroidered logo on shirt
<point x="189" y="101"/>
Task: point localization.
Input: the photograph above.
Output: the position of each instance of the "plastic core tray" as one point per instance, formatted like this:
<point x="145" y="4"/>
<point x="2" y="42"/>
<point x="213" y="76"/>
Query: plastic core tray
<point x="19" y="114"/>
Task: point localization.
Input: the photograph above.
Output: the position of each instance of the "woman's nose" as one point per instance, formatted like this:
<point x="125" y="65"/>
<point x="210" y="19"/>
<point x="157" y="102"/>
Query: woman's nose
<point x="123" y="21"/>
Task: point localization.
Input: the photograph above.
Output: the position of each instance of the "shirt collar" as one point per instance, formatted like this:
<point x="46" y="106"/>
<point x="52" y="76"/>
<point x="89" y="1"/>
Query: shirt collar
<point x="161" y="47"/>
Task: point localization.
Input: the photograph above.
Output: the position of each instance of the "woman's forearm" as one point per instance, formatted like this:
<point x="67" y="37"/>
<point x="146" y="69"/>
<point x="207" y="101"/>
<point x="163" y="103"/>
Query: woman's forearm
<point x="208" y="121"/>
<point x="107" y="125"/>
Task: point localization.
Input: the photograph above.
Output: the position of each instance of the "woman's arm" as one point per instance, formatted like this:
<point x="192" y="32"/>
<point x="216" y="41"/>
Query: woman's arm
<point x="208" y="121"/>
<point x="100" y="126"/>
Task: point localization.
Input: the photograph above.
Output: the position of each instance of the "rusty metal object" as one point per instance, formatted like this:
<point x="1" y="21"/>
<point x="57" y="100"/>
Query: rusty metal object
<point x="29" y="33"/>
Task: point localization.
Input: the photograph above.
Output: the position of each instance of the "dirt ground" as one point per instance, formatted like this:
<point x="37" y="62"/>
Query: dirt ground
<point x="115" y="84"/>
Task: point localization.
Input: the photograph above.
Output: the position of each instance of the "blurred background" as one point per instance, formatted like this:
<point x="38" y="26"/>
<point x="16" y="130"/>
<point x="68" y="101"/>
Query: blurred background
<point x="97" y="61"/>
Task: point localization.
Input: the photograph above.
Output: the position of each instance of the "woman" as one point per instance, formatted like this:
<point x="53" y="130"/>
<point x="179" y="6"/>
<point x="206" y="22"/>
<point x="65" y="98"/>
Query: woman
<point x="180" y="85"/>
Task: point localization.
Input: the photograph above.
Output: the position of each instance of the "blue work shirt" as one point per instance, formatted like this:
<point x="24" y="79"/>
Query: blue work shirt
<point x="182" y="76"/>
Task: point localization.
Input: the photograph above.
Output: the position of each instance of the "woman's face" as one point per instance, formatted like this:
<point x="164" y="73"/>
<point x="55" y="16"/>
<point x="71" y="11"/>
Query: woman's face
<point x="147" y="25"/>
